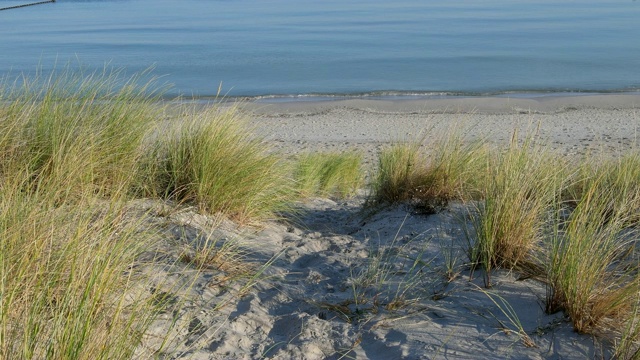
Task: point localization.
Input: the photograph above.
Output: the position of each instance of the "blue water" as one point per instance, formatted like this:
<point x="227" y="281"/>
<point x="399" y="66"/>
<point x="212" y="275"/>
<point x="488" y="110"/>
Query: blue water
<point x="339" y="47"/>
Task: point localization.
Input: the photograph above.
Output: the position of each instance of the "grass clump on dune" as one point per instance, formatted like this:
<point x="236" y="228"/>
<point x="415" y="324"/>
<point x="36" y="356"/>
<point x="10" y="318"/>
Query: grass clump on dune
<point x="572" y="224"/>
<point x="213" y="160"/>
<point x="329" y="174"/>
<point x="69" y="147"/>
<point x="64" y="283"/>
<point x="619" y="178"/>
<point x="74" y="132"/>
<point x="74" y="150"/>
<point x="399" y="168"/>
<point x="430" y="178"/>
<point x="509" y="221"/>
<point x="590" y="272"/>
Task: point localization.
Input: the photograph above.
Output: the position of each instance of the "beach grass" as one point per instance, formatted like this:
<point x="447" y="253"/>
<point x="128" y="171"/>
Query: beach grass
<point x="399" y="166"/>
<point x="76" y="149"/>
<point x="76" y="133"/>
<point x="337" y="175"/>
<point x="65" y="275"/>
<point x="619" y="177"/>
<point x="627" y="346"/>
<point x="213" y="160"/>
<point x="569" y="222"/>
<point x="429" y="176"/>
<point x="590" y="271"/>
<point x="508" y="222"/>
<point x="68" y="149"/>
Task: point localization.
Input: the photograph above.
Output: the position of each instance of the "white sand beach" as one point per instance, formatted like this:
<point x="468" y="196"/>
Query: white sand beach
<point x="572" y="125"/>
<point x="313" y="302"/>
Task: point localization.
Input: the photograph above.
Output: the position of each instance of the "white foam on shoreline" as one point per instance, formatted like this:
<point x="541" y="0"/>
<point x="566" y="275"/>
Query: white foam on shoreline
<point x="551" y="103"/>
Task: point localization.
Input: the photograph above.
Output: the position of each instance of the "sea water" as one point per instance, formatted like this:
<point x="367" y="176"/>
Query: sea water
<point x="335" y="47"/>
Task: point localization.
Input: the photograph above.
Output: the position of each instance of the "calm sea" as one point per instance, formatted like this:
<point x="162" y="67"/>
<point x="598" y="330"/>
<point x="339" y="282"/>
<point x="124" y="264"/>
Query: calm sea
<point x="336" y="47"/>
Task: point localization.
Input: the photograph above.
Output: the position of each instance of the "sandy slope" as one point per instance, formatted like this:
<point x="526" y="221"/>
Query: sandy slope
<point x="412" y="308"/>
<point x="387" y="285"/>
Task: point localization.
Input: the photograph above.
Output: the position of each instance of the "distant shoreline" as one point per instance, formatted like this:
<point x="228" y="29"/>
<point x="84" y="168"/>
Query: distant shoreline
<point x="397" y="96"/>
<point x="543" y="104"/>
<point x="570" y="125"/>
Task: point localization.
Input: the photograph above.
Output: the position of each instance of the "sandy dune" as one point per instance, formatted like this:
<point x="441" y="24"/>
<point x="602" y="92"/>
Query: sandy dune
<point x="346" y="284"/>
